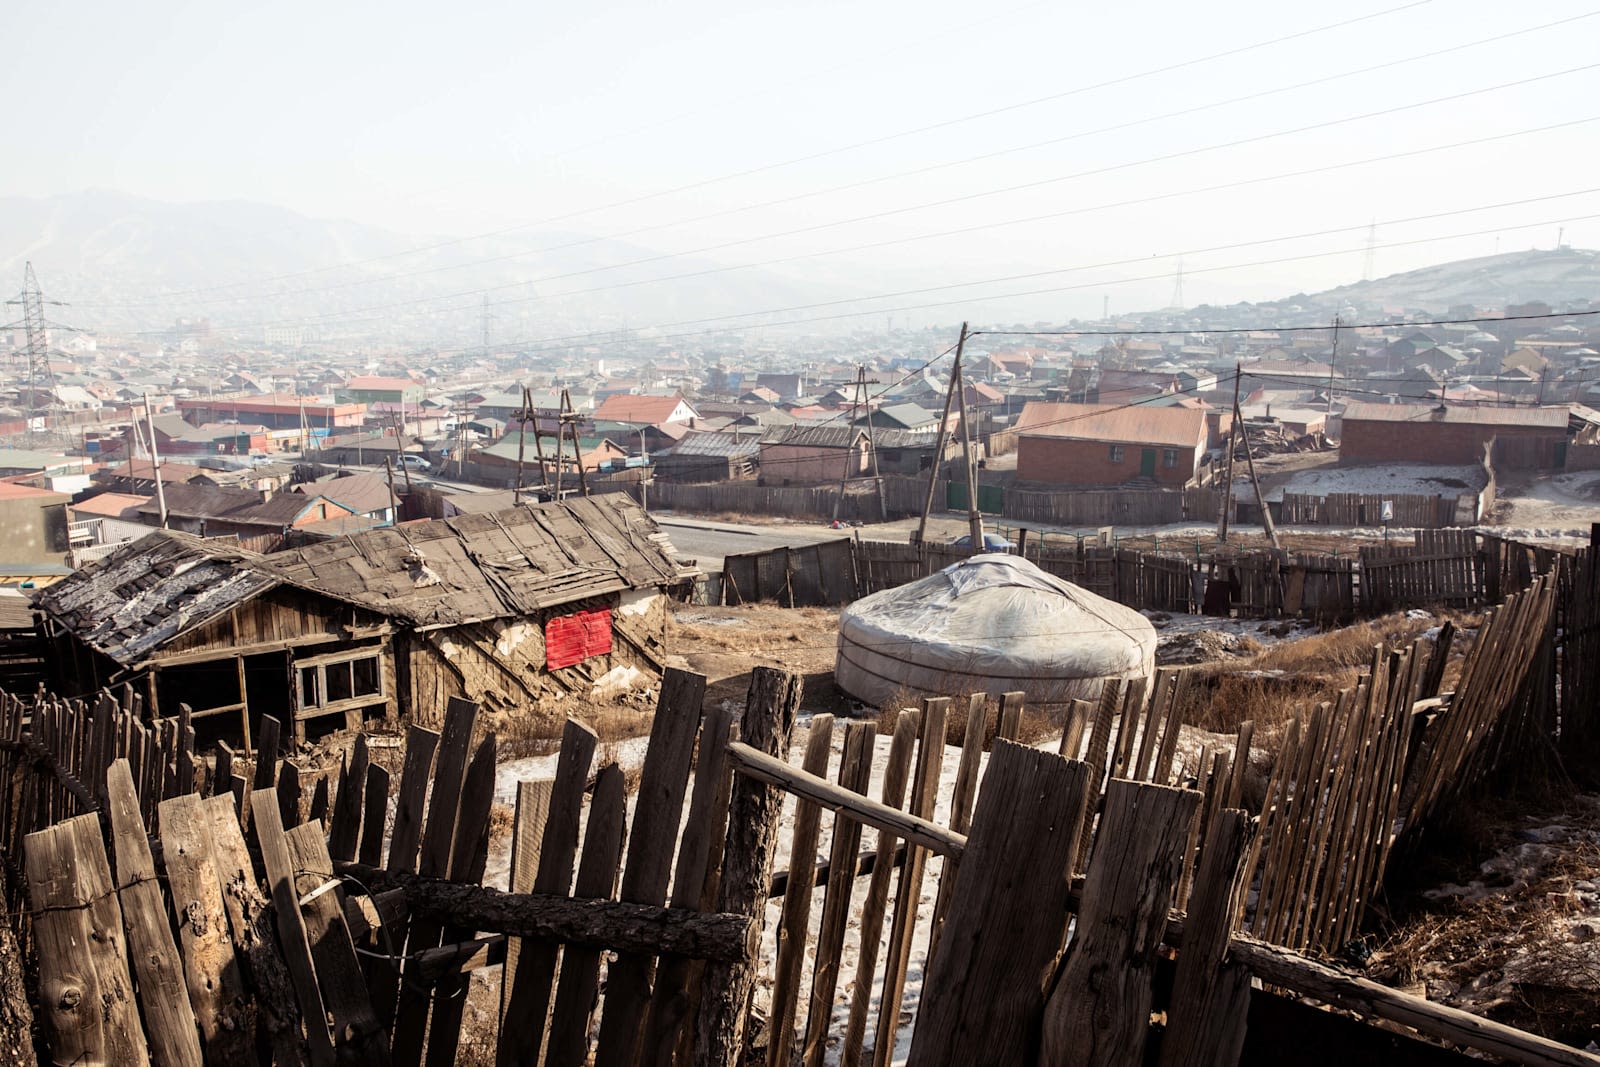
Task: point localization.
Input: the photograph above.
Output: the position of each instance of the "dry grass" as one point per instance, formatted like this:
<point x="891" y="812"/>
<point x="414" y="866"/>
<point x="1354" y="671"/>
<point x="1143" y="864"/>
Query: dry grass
<point x="1036" y="726"/>
<point x="609" y="753"/>
<point x="1287" y="680"/>
<point x="536" y="731"/>
<point x="753" y="628"/>
<point x="502" y="819"/>
<point x="1521" y="948"/>
<point x="1349" y="646"/>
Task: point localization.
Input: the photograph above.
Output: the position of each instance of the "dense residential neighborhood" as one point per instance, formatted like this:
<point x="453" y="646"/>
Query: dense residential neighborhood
<point x="289" y="440"/>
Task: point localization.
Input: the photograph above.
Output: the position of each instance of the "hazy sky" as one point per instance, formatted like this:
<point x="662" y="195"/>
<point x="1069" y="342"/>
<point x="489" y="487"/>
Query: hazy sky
<point x="462" y="119"/>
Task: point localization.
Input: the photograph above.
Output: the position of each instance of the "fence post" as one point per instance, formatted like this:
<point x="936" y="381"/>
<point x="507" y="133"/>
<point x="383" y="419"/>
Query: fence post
<point x="1210" y="998"/>
<point x="1099" y="1010"/>
<point x="753" y="813"/>
<point x="984" y="993"/>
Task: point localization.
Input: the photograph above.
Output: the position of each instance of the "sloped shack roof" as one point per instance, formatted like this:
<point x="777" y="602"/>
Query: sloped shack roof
<point x="152" y="590"/>
<point x="433" y="574"/>
<point x="446" y="572"/>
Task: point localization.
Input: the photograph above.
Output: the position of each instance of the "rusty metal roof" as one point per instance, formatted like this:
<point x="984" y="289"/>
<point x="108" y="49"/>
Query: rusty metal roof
<point x="1550" y="418"/>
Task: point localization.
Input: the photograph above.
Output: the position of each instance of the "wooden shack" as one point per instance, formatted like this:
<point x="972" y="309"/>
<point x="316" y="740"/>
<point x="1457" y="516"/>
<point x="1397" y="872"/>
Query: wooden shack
<point x="503" y="608"/>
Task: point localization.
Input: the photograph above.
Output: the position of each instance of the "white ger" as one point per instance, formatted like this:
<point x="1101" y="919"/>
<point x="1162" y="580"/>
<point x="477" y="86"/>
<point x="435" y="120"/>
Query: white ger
<point x="994" y="624"/>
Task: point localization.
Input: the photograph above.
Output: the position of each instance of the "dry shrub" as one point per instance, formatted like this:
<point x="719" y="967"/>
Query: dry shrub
<point x="1287" y="680"/>
<point x="1036" y="725"/>
<point x="502" y="819"/>
<point x="1219" y="701"/>
<point x="609" y="754"/>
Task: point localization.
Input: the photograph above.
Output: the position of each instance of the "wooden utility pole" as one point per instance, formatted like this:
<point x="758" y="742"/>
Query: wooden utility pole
<point x="1250" y="459"/>
<point x="1227" y="491"/>
<point x="857" y="401"/>
<point x="944" y="430"/>
<point x="155" y="462"/>
<point x="1333" y="359"/>
<point x="388" y="471"/>
<point x="862" y="381"/>
<point x="561" y="456"/>
<point x="522" y="447"/>
<point x="974" y="519"/>
<point x="400" y="449"/>
<point x="569" y="418"/>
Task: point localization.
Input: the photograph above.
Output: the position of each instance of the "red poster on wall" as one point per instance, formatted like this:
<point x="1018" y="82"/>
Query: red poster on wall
<point x="571" y="639"/>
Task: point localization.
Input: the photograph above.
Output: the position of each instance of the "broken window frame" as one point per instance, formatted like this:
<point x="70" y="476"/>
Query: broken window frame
<point x="320" y="701"/>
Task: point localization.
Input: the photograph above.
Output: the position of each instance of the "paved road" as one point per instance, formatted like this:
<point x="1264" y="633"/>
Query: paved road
<point x="710" y="542"/>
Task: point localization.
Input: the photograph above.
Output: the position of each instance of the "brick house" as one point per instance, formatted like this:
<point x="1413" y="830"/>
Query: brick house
<point x="813" y="455"/>
<point x="1525" y="437"/>
<point x="1105" y="444"/>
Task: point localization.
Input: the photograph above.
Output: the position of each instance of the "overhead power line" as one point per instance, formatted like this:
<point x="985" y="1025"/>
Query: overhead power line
<point x="728" y="321"/>
<point x="379" y="279"/>
<point x="950" y="201"/>
<point x="839" y="150"/>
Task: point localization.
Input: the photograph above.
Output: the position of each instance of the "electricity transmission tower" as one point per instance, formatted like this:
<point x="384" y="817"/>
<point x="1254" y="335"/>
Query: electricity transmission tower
<point x="41" y="387"/>
<point x="1372" y="251"/>
<point x="1176" y="302"/>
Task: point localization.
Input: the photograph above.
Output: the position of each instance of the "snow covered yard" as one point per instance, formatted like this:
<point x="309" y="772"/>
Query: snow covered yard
<point x="1423" y="479"/>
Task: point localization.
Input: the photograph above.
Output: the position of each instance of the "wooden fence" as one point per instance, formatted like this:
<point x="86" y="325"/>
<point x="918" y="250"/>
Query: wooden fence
<point x="1131" y="507"/>
<point x="347" y="935"/>
<point x="859" y="504"/>
<point x="1448" y="568"/>
<point x="1366" y="509"/>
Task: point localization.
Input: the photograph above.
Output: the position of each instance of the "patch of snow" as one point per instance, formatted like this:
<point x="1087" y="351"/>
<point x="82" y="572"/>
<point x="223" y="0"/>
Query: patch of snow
<point x="624" y="678"/>
<point x="1400" y="479"/>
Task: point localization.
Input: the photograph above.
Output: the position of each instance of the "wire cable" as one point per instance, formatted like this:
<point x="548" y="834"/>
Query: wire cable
<point x="726" y="212"/>
<point x="1120" y="80"/>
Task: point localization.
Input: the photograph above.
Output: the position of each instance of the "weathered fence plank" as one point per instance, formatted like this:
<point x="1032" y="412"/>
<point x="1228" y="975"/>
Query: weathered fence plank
<point x="984" y="995"/>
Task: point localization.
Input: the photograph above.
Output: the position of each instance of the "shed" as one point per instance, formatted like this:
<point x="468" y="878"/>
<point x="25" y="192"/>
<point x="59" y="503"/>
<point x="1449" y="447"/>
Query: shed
<point x="502" y="608"/>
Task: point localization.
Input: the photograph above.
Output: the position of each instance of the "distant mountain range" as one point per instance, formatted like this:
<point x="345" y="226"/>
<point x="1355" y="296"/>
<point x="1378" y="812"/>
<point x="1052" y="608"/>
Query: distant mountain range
<point x="131" y="263"/>
<point x="127" y="262"/>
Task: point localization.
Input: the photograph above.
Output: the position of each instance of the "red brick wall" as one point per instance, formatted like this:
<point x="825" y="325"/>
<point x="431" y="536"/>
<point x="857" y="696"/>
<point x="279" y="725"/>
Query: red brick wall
<point x="806" y="465"/>
<point x="1061" y="461"/>
<point x="1420" y="441"/>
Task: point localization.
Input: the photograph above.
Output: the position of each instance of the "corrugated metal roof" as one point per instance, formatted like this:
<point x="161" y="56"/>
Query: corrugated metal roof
<point x="831" y="435"/>
<point x="1458" y="414"/>
<point x="730" y="445"/>
<point x="1136" y="424"/>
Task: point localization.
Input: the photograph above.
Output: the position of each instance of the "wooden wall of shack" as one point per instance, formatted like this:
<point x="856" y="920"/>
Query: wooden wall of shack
<point x="498" y="662"/>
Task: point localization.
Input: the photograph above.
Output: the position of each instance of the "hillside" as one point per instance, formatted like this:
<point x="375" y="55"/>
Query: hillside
<point x="129" y="262"/>
<point x="1557" y="277"/>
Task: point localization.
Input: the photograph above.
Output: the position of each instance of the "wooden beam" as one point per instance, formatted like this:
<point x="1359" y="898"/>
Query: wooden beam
<point x="549" y="917"/>
<point x="1281" y="967"/>
<point x="753" y="763"/>
<point x="178" y="659"/>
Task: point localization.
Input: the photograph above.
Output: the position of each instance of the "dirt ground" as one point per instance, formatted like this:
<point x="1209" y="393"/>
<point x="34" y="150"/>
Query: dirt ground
<point x="725" y="644"/>
<point x="1502" y="919"/>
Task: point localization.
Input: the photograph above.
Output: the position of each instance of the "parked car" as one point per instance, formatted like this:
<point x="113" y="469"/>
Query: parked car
<point x="991" y="543"/>
<point x="416" y="463"/>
